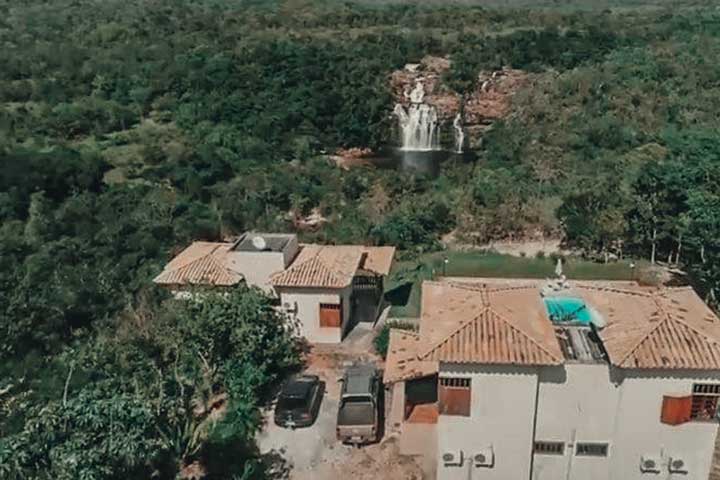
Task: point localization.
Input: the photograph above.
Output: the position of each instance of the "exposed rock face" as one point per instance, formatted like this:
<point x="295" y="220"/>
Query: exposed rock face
<point x="428" y="72"/>
<point x="347" y="158"/>
<point x="488" y="102"/>
<point x="310" y="222"/>
<point x="491" y="100"/>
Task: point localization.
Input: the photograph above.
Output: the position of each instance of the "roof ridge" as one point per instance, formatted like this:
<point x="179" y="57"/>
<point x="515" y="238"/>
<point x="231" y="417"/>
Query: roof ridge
<point x="334" y="272"/>
<point x="405" y="332"/>
<point x="315" y="258"/>
<point x="676" y="318"/>
<point x="216" y="263"/>
<point x="213" y="263"/>
<point x="488" y="310"/>
<point x="673" y="321"/>
<point x="193" y="260"/>
<point x="482" y="286"/>
<point x="648" y="333"/>
<point x="451" y="334"/>
<point x="356" y="247"/>
<point x="485" y="290"/>
<point x="515" y="327"/>
<point x="613" y="289"/>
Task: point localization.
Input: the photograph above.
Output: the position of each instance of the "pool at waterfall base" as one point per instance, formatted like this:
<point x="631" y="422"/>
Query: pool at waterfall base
<point x="563" y="310"/>
<point x="420" y="162"/>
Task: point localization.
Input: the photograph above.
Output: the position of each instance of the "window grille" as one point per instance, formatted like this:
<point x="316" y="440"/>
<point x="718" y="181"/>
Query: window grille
<point x="706" y="388"/>
<point x="591" y="449"/>
<point x="455" y="382"/>
<point x="549" y="448"/>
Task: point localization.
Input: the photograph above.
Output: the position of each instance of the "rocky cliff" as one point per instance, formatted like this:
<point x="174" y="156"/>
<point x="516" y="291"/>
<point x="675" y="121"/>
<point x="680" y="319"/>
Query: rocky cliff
<point x="489" y="101"/>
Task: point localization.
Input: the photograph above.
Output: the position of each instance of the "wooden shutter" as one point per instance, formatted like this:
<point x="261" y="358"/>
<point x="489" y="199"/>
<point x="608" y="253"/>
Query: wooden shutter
<point x="330" y="315"/>
<point x="676" y="410"/>
<point x="454" y="396"/>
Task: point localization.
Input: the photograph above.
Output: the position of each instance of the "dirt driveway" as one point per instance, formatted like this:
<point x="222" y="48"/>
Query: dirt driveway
<point x="314" y="453"/>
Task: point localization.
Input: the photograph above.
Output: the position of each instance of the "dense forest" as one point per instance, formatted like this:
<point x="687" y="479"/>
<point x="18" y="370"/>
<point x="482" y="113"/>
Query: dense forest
<point x="129" y="128"/>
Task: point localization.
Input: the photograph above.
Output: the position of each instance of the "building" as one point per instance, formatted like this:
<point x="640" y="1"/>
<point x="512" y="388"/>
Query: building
<point x="327" y="289"/>
<point x="515" y="379"/>
<point x="324" y="289"/>
<point x="251" y="259"/>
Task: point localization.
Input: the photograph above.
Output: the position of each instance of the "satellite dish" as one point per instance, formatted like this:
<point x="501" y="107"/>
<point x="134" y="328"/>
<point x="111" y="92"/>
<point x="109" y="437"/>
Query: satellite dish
<point x="259" y="243"/>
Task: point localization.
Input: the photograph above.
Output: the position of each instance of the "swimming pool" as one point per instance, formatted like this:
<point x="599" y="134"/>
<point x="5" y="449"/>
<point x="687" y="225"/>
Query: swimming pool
<point x="567" y="310"/>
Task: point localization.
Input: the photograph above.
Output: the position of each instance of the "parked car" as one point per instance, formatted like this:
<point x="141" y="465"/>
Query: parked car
<point x="358" y="418"/>
<point x="299" y="401"/>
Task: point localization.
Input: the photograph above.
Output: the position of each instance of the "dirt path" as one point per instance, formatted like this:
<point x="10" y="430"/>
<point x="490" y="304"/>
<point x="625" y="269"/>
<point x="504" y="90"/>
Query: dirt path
<point x="374" y="462"/>
<point x="517" y="248"/>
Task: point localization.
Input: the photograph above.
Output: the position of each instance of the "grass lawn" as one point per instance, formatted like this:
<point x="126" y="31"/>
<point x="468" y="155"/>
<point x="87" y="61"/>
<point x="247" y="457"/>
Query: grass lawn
<point x="402" y="288"/>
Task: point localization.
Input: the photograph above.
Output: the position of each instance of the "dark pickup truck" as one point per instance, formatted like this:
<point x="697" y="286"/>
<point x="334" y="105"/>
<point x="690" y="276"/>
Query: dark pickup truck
<point x="358" y="415"/>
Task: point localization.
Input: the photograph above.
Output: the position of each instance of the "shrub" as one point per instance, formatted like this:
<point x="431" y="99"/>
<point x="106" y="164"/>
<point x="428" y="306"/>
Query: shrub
<point x="382" y="339"/>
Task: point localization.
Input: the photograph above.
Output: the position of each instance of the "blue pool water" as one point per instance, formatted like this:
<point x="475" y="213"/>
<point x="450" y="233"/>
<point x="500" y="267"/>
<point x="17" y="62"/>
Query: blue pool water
<point x="567" y="310"/>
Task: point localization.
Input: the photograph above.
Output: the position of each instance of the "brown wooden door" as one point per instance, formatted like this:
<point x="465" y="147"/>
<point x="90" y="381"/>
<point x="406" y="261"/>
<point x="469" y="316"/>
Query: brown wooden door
<point x="331" y="315"/>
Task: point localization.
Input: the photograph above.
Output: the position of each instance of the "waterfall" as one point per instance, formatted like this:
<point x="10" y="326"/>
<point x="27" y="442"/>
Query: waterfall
<point x="459" y="133"/>
<point x="419" y="123"/>
<point x="417" y="94"/>
<point x="419" y="127"/>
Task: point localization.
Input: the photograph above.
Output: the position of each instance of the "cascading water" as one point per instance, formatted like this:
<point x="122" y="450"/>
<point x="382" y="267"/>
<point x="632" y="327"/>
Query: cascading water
<point x="419" y="123"/>
<point x="459" y="133"/>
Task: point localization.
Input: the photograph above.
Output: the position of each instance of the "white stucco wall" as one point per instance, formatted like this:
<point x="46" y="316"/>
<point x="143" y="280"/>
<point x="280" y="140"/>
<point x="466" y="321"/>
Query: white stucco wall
<point x="638" y="430"/>
<point x="576" y="403"/>
<point x="501" y="416"/>
<point x="307" y="302"/>
<point x="593" y="403"/>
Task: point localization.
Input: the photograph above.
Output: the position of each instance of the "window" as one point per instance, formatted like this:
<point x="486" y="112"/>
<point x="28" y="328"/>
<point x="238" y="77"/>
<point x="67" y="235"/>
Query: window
<point x="704" y="404"/>
<point x="591" y="449"/>
<point x="549" y="448"/>
<point x="701" y="406"/>
<point x="704" y="407"/>
<point x="454" y="396"/>
<point x="330" y="315"/>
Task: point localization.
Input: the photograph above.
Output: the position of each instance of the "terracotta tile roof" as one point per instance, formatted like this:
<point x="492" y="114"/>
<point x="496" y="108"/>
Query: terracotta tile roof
<point x="310" y="273"/>
<point x="673" y="344"/>
<point x="402" y="362"/>
<point x="501" y="321"/>
<point x="202" y="263"/>
<point x="491" y="338"/>
<point x="378" y="260"/>
<point x="666" y="329"/>
<point x="332" y="266"/>
<point x="475" y="323"/>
